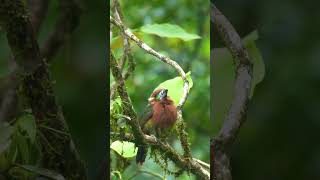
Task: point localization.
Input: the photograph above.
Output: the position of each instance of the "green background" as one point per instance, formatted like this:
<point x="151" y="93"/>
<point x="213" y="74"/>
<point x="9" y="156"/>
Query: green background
<point x="279" y="140"/>
<point x="79" y="72"/>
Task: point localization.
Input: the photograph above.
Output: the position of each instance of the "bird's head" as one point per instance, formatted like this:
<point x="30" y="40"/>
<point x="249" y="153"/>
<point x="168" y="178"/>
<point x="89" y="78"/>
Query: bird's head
<point x="159" y="95"/>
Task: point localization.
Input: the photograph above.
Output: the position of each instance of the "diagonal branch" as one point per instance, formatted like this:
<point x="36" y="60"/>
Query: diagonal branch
<point x="238" y="110"/>
<point x="150" y="139"/>
<point x="38" y="9"/>
<point x="66" y="24"/>
<point x="9" y="84"/>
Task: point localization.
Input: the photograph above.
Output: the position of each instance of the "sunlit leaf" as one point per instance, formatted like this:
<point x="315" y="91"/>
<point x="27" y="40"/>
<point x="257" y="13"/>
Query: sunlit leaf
<point x="175" y="87"/>
<point x="124" y="148"/>
<point x="169" y="31"/>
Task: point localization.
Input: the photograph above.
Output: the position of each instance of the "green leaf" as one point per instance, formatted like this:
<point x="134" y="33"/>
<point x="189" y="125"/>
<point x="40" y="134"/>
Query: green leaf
<point x="124" y="148"/>
<point x="116" y="104"/>
<point x="169" y="31"/>
<point x="23" y="147"/>
<point x="5" y="134"/>
<point x="253" y="36"/>
<point x="256" y="58"/>
<point x="27" y="124"/>
<point x="175" y="87"/>
<point x="223" y="74"/>
<point x="44" y="172"/>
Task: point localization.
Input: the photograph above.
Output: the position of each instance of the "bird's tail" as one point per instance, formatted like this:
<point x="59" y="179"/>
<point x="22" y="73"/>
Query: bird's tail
<point x="141" y="155"/>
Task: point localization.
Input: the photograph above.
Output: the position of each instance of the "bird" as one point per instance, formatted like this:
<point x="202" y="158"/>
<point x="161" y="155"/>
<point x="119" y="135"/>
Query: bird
<point x="160" y="114"/>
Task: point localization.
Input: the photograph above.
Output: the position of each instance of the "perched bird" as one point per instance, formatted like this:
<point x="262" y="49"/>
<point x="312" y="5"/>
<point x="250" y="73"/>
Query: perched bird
<point x="160" y="114"/>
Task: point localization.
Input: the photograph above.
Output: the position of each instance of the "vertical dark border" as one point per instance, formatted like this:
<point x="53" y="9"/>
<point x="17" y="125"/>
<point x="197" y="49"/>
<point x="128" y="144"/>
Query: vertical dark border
<point x="212" y="37"/>
<point x="104" y="172"/>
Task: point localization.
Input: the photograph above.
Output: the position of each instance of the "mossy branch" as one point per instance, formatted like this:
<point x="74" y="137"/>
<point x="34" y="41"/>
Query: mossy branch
<point x="36" y="86"/>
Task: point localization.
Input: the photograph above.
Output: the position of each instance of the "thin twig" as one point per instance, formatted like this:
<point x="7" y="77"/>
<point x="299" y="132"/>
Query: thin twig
<point x="126" y="51"/>
<point x="204" y="164"/>
<point x="147" y="172"/>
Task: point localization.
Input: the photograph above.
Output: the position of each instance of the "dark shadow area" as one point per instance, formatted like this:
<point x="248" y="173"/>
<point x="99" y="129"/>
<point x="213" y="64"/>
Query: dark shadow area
<point x="279" y="139"/>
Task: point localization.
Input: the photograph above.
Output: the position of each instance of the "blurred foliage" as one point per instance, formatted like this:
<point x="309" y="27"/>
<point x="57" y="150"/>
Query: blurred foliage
<point x="19" y="147"/>
<point x="279" y="139"/>
<point x="79" y="74"/>
<point x="191" y="55"/>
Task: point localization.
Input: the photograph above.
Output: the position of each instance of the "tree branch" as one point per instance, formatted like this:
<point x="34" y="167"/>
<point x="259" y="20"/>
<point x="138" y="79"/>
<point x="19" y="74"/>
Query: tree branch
<point x="196" y="166"/>
<point x="37" y="87"/>
<point x="128" y="108"/>
<point x="159" y="56"/>
<point x="126" y="51"/>
<point x="182" y="133"/>
<point x="142" y="139"/>
<point x="187" y="162"/>
<point x="66" y="24"/>
<point x="21" y="40"/>
<point x="9" y="101"/>
<point x="8" y="96"/>
<point x="38" y="9"/>
<point x="237" y="112"/>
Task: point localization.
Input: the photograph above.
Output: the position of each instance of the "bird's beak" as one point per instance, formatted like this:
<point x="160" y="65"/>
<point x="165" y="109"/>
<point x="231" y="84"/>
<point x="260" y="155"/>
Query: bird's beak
<point x="166" y="92"/>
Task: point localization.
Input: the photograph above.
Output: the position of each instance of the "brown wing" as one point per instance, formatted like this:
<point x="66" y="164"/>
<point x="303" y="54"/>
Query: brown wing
<point x="146" y="116"/>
